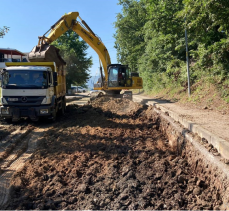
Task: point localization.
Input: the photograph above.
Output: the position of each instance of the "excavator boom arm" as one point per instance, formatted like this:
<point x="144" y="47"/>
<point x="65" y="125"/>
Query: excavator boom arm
<point x="119" y="75"/>
<point x="69" y="21"/>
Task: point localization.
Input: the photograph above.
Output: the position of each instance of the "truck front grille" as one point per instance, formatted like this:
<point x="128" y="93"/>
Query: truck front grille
<point x="25" y="100"/>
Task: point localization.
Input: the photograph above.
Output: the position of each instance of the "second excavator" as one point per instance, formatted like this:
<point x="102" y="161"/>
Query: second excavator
<point x="116" y="77"/>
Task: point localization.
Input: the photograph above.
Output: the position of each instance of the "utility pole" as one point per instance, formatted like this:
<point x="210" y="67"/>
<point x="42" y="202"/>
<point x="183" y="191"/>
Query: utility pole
<point x="187" y="58"/>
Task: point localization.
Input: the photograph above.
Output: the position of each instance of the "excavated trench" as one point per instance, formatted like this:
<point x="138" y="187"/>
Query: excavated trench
<point x="116" y="154"/>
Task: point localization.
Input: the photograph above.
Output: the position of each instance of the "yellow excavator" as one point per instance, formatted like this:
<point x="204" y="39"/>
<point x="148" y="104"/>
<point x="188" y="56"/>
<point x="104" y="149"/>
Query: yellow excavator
<point x="116" y="77"/>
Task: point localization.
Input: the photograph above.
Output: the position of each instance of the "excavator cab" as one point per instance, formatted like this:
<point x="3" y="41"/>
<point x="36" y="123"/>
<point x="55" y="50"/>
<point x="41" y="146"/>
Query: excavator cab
<point x="118" y="76"/>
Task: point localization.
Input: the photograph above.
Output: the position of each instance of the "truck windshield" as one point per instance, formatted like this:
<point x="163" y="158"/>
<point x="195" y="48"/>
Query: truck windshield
<point x="17" y="79"/>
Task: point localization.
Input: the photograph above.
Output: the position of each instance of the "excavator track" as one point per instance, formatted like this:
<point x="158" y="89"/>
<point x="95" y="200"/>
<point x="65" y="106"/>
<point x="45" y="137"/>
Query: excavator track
<point x="116" y="94"/>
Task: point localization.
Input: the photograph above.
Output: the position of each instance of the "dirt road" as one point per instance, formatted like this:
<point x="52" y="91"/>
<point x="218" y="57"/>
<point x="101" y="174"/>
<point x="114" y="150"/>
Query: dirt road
<point x="109" y="154"/>
<point x="18" y="141"/>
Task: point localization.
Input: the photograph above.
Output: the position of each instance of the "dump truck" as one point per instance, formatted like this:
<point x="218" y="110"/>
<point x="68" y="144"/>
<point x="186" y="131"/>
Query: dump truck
<point x="32" y="90"/>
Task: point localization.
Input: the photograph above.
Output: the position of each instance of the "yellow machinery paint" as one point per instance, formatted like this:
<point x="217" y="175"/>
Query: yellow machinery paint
<point x="45" y="52"/>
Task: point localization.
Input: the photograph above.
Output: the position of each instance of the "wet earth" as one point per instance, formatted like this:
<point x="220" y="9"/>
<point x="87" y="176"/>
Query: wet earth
<point x="108" y="154"/>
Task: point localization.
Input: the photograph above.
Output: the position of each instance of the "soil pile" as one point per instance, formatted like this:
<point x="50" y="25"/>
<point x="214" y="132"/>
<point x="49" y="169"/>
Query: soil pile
<point x="115" y="105"/>
<point x="108" y="155"/>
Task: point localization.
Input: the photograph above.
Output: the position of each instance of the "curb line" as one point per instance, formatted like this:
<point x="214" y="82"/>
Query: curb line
<point x="220" y="144"/>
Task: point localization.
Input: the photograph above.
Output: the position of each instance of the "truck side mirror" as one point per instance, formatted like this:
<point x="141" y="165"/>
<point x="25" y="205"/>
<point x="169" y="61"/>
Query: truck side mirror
<point x="0" y="83"/>
<point x="55" y="82"/>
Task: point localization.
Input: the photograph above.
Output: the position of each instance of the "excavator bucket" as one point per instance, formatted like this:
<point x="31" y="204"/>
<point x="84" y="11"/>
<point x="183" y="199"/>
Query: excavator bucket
<point x="46" y="53"/>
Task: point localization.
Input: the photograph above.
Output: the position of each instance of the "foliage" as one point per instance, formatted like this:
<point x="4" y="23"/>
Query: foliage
<point x="129" y="34"/>
<point x="3" y="31"/>
<point x="150" y="37"/>
<point x="73" y="51"/>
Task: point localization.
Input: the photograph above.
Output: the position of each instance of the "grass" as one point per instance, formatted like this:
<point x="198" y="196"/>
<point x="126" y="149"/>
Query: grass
<point x="203" y="94"/>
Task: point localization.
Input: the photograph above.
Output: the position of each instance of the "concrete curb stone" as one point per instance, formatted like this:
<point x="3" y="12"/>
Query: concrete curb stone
<point x="220" y="144"/>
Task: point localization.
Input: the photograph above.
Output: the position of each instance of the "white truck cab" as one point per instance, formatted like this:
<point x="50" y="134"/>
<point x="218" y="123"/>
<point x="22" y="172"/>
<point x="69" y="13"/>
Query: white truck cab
<point x="31" y="91"/>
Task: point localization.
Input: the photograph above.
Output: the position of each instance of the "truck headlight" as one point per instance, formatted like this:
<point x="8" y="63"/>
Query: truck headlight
<point x="44" y="101"/>
<point x="44" y="111"/>
<point x="4" y="101"/>
<point x="5" y="111"/>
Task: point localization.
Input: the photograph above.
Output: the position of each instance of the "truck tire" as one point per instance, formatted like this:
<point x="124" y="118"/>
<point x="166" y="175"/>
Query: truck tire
<point x="8" y="120"/>
<point x="63" y="106"/>
<point x="52" y="118"/>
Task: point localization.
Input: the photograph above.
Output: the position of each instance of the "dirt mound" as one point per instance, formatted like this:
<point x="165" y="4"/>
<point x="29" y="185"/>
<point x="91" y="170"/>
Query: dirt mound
<point x="115" y="105"/>
<point x="92" y="160"/>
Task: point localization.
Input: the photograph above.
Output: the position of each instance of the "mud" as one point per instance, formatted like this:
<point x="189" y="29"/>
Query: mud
<point x="112" y="154"/>
<point x="7" y="128"/>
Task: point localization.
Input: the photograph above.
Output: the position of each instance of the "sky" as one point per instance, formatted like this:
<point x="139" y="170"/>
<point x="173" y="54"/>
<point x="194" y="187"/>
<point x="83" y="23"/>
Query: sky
<point x="29" y="19"/>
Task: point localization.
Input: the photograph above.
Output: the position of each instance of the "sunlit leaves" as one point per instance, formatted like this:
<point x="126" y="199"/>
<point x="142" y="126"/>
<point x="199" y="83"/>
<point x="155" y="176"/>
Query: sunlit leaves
<point x="3" y="31"/>
<point x="73" y="51"/>
<point x="150" y="37"/>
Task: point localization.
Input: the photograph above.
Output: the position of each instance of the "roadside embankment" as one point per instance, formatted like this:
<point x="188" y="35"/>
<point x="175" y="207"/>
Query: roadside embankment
<point x="208" y="125"/>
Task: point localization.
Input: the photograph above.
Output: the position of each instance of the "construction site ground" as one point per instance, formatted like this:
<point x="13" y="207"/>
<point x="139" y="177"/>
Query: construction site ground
<point x="104" y="154"/>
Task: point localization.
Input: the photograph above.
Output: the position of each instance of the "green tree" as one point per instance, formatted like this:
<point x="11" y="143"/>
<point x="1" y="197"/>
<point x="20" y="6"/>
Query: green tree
<point x="129" y="34"/>
<point x="150" y="37"/>
<point x="208" y="26"/>
<point x="73" y="51"/>
<point x="147" y="35"/>
<point x="3" y="31"/>
<point x="164" y="37"/>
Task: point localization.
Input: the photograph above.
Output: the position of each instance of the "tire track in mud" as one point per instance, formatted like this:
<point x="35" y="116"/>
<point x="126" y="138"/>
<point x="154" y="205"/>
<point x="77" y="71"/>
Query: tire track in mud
<point x="18" y="147"/>
<point x="14" y="163"/>
<point x="5" y="130"/>
<point x="17" y="144"/>
<point x="9" y="143"/>
<point x="7" y="139"/>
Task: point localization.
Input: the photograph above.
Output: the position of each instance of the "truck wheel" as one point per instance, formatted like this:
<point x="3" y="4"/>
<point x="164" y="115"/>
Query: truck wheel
<point x="63" y="106"/>
<point x="8" y="120"/>
<point x="53" y="116"/>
